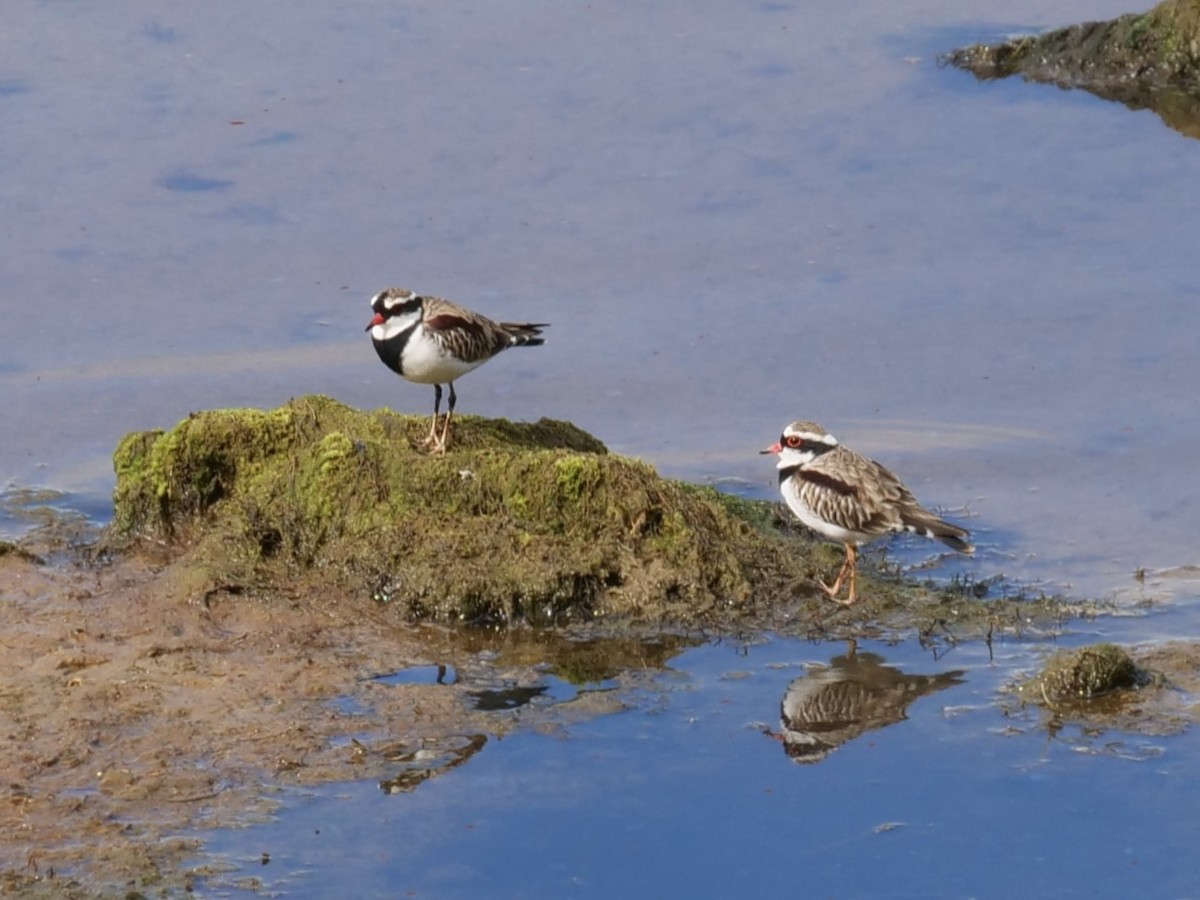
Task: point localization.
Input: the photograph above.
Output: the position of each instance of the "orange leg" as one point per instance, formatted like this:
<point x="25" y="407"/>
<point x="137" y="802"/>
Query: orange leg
<point x="852" y="561"/>
<point x="849" y="567"/>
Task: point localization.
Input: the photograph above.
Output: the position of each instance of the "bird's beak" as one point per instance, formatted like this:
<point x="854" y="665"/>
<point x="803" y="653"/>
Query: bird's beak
<point x="774" y="448"/>
<point x="377" y="319"/>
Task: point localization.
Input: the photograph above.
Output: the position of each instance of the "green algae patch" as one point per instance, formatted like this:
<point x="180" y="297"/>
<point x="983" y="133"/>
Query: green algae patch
<point x="1145" y="60"/>
<point x="534" y="522"/>
<point x="1073" y="676"/>
<point x="1081" y="696"/>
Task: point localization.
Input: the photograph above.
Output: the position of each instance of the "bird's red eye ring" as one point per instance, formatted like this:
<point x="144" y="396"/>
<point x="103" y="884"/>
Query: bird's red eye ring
<point x="793" y="440"/>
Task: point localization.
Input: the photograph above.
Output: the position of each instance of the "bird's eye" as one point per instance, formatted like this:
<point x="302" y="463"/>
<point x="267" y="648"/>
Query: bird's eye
<point x="793" y="440"/>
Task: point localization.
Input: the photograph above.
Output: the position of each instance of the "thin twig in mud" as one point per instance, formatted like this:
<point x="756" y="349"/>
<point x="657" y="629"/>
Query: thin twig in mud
<point x="195" y="797"/>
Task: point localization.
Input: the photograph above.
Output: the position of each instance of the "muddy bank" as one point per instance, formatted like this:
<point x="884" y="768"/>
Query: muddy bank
<point x="129" y="721"/>
<point x="1145" y="60"/>
<point x="132" y="720"/>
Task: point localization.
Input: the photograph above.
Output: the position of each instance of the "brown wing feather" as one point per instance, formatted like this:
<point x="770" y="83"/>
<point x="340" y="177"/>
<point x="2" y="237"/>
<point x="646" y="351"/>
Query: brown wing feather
<point x="470" y="335"/>
<point x="468" y="339"/>
<point x="860" y="495"/>
<point x="916" y="518"/>
<point x="852" y="492"/>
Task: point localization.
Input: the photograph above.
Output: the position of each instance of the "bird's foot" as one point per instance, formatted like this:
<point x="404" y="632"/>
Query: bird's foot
<point x="431" y="439"/>
<point x="849" y="600"/>
<point x="436" y="443"/>
<point x="440" y="445"/>
<point x="847" y="569"/>
<point x="832" y="590"/>
<point x="851" y="595"/>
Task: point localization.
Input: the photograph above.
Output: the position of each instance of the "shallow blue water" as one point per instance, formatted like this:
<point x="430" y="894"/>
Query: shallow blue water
<point x="684" y="795"/>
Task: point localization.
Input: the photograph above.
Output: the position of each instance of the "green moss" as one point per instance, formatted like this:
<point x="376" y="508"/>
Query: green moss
<point x="573" y="476"/>
<point x="1081" y="675"/>
<point x="1130" y="58"/>
<point x="1136" y="30"/>
<point x="537" y="522"/>
<point x="759" y="514"/>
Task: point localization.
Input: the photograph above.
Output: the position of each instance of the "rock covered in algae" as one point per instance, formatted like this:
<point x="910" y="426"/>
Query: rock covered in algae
<point x="1146" y="60"/>
<point x="518" y="521"/>
<point x="1078" y="675"/>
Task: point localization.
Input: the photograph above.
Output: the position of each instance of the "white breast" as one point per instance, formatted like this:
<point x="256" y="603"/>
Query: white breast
<point x="425" y="362"/>
<point x="813" y="521"/>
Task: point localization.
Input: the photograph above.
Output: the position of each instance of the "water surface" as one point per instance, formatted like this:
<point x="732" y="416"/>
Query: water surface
<point x="690" y="793"/>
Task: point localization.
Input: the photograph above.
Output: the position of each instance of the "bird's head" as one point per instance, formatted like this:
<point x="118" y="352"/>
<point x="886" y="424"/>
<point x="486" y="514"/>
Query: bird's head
<point x="800" y="444"/>
<point x="395" y="309"/>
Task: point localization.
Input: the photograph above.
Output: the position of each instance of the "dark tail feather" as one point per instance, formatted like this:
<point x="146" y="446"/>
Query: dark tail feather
<point x="526" y="334"/>
<point x="957" y="541"/>
<point x="932" y="527"/>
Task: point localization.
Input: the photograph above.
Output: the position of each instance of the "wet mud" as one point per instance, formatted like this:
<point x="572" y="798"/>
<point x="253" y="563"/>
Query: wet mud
<point x="134" y="715"/>
<point x="130" y="719"/>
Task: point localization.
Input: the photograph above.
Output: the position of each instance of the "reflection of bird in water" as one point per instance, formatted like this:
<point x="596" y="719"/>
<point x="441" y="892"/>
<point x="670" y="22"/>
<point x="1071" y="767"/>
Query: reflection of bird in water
<point x="856" y="693"/>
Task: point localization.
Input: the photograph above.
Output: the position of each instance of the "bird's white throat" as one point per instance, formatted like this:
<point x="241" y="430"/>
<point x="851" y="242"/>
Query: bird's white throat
<point x="789" y="458"/>
<point x="390" y="328"/>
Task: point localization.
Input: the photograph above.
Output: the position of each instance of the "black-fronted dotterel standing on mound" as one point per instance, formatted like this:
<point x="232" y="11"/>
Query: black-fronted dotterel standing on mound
<point x="428" y="340"/>
<point x="850" y="499"/>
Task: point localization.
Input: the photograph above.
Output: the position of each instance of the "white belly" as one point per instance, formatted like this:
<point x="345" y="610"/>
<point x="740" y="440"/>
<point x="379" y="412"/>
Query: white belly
<point x="425" y="362"/>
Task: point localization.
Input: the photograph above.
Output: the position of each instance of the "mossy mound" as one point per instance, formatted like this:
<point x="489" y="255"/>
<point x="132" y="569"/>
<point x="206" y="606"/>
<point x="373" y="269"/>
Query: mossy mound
<point x="518" y="521"/>
<point x="1081" y="675"/>
<point x="1145" y="60"/>
<point x="1083" y="695"/>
